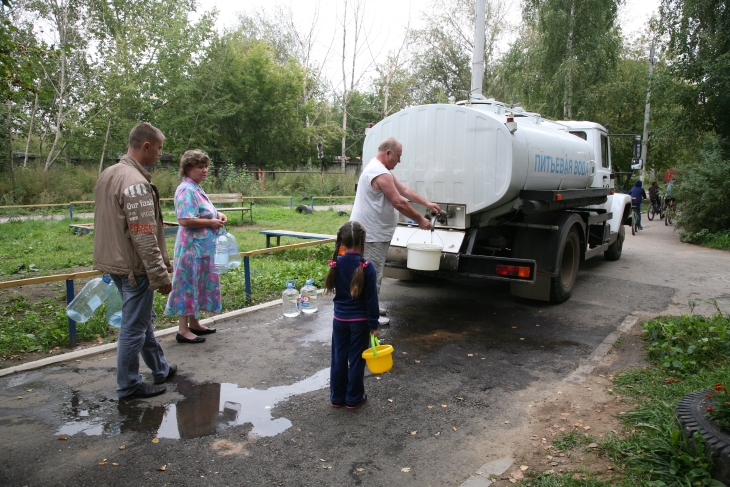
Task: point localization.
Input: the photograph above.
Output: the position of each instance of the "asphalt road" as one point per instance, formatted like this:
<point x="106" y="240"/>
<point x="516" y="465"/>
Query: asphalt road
<point x="250" y="406"/>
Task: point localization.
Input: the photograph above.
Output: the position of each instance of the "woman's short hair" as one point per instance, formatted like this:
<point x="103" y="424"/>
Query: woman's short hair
<point x="192" y="158"/>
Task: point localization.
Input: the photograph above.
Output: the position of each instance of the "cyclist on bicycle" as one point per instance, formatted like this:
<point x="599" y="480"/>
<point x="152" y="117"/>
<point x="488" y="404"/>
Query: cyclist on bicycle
<point x="637" y="194"/>
<point x="654" y="197"/>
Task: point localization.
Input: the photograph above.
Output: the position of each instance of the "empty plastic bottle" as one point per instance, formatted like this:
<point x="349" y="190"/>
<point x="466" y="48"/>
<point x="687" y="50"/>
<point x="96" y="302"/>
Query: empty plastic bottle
<point x="114" y="307"/>
<point x="308" y="297"/>
<point x="290" y="298"/>
<point x="220" y="259"/>
<point x="234" y="257"/>
<point x="89" y="299"/>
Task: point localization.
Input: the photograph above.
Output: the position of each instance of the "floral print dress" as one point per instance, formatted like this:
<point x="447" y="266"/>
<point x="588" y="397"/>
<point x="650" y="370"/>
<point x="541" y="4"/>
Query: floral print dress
<point x="195" y="287"/>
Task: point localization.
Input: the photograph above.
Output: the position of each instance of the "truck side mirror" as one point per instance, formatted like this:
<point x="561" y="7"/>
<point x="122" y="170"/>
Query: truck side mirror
<point x="637" y="164"/>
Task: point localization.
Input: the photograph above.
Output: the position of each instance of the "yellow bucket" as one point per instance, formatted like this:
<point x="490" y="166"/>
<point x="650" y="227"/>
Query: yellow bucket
<point x="379" y="358"/>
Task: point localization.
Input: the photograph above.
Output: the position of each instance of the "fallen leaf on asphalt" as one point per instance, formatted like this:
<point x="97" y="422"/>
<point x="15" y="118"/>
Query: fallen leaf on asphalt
<point x="470" y="354"/>
<point x="418" y="361"/>
<point x="414" y="433"/>
<point x="460" y="398"/>
<point x="360" y="469"/>
<point x="327" y="467"/>
<point x="521" y="338"/>
<point x="103" y="463"/>
<point x="115" y="464"/>
<point x="162" y="468"/>
<point x="483" y="358"/>
<point x="453" y="428"/>
<point x="430" y="407"/>
<point x="378" y="378"/>
<point x="586" y="428"/>
<point x="404" y="353"/>
<point x="444" y="405"/>
<point x="122" y="447"/>
<point x="390" y="400"/>
<point x="322" y="460"/>
<point x="29" y="390"/>
<point x="537" y="325"/>
<point x="20" y="397"/>
<point x="405" y="469"/>
<point x="507" y="422"/>
<point x="524" y="467"/>
<point x="62" y="437"/>
<point x="155" y="440"/>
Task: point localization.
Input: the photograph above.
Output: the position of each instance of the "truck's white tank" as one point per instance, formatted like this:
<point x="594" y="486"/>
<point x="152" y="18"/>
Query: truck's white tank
<point x="459" y="154"/>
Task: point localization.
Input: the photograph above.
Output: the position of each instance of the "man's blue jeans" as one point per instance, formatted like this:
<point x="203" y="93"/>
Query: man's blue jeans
<point x="347" y="370"/>
<point x="137" y="335"/>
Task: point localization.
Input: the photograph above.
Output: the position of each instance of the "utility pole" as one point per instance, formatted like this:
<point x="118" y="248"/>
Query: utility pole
<point x="647" y="110"/>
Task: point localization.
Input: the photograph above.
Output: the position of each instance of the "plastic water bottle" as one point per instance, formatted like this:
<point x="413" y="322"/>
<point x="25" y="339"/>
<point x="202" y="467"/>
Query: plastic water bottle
<point x="234" y="257"/>
<point x="220" y="259"/>
<point x="290" y="298"/>
<point x="308" y="297"/>
<point x="114" y="307"/>
<point x="89" y="299"/>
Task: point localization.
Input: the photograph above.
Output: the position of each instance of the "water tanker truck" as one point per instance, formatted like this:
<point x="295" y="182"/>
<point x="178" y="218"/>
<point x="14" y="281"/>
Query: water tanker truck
<point x="523" y="199"/>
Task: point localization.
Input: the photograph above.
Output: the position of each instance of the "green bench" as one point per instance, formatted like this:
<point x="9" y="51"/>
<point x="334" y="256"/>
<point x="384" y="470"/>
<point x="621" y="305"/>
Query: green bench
<point x="287" y="233"/>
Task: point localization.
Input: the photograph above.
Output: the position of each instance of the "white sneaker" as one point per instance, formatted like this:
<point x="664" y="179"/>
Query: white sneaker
<point x="383" y="312"/>
<point x="383" y="321"/>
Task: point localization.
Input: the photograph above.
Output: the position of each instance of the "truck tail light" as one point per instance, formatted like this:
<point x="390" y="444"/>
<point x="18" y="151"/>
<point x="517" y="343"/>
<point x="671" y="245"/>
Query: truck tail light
<point x="513" y="271"/>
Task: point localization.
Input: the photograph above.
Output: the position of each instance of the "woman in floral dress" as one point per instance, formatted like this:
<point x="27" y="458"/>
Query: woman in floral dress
<point x="195" y="287"/>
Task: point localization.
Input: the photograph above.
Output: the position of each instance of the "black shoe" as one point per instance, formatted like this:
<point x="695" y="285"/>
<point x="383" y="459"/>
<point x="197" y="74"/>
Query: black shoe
<point x="182" y="339"/>
<point x="143" y="391"/>
<point x="170" y="374"/>
<point x="364" y="400"/>
<point x="206" y="331"/>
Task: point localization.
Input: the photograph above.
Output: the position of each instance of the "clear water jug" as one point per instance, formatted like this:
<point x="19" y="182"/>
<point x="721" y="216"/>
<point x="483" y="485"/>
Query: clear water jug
<point x="220" y="256"/>
<point x="308" y="297"/>
<point x="290" y="299"/>
<point x="89" y="299"/>
<point x="234" y="257"/>
<point x="114" y="307"/>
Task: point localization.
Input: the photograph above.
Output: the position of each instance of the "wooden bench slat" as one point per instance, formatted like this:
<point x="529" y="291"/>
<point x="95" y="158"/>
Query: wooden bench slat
<point x="225" y="198"/>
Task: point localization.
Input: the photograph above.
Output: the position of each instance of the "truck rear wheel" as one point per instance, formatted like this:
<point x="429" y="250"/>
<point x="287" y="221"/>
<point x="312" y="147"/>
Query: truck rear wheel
<point x="614" y="250"/>
<point x="561" y="286"/>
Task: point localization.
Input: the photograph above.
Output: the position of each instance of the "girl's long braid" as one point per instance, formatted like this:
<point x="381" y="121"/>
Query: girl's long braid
<point x="357" y="283"/>
<point x="329" y="283"/>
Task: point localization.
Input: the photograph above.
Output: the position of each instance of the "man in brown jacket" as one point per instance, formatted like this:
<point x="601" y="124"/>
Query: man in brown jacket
<point x="129" y="245"/>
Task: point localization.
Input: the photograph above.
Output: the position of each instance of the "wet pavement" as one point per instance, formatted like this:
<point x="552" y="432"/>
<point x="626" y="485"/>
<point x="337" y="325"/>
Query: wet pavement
<point x="250" y="405"/>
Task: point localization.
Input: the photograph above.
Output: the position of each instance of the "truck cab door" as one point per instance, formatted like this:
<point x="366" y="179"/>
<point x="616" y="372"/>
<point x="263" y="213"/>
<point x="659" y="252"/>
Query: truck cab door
<point x="602" y="178"/>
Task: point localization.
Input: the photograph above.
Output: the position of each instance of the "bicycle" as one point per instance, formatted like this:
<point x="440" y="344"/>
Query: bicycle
<point x="634" y="221"/>
<point x="655" y="208"/>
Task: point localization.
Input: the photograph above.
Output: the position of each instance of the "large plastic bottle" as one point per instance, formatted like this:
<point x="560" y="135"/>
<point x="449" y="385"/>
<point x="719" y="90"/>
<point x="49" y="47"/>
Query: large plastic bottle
<point x="89" y="299"/>
<point x="290" y="298"/>
<point x="308" y="297"/>
<point x="114" y="307"/>
<point x="234" y="257"/>
<point x="220" y="258"/>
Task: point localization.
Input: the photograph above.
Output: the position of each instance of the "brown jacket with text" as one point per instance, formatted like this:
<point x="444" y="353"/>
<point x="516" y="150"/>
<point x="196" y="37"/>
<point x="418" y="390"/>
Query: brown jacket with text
<point x="129" y="236"/>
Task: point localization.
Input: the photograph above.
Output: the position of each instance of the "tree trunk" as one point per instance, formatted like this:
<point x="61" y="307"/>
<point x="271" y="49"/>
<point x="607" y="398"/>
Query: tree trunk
<point x="344" y="89"/>
<point x="568" y="97"/>
<point x="61" y="84"/>
<point x="30" y="127"/>
<point x="103" y="148"/>
<point x="10" y="142"/>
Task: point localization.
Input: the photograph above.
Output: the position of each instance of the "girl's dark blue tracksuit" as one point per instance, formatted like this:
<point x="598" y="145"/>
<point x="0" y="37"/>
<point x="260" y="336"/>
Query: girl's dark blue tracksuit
<point x="351" y="326"/>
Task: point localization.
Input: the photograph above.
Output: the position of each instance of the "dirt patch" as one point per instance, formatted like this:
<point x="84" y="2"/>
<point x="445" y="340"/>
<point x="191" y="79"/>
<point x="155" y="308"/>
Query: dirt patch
<point x="567" y="423"/>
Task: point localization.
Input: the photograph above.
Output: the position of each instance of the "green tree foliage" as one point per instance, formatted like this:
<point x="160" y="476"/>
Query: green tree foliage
<point x="697" y="40"/>
<point x="702" y="194"/>
<point x="566" y="50"/>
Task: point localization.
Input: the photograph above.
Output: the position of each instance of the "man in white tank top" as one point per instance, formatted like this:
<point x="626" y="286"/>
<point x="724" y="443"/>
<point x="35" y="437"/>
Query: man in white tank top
<point x="379" y="196"/>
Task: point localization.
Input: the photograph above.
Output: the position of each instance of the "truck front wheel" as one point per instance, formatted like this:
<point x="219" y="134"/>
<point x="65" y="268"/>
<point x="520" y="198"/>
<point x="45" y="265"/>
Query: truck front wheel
<point x="615" y="249"/>
<point x="561" y="286"/>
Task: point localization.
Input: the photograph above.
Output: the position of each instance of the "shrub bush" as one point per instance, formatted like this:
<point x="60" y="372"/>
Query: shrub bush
<point x="703" y="198"/>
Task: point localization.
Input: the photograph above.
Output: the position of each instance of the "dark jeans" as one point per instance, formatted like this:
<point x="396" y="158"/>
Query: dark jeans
<point x="638" y="214"/>
<point x="349" y="341"/>
<point x="137" y="336"/>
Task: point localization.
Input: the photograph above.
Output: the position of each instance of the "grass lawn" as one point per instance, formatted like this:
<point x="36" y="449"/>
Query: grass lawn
<point x="32" y="318"/>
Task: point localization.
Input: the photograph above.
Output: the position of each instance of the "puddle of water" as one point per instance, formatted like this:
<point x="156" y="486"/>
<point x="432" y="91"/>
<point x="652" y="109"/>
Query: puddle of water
<point x="206" y="409"/>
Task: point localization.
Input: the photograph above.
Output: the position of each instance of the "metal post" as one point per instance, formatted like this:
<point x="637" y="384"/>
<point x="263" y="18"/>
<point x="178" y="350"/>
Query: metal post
<point x="247" y="276"/>
<point x="291" y="202"/>
<point x="71" y="211"/>
<point x="71" y="323"/>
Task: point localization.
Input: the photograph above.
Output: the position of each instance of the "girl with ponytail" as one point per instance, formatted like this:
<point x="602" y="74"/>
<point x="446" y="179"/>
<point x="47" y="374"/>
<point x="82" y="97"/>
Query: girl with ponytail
<point x="354" y="283"/>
